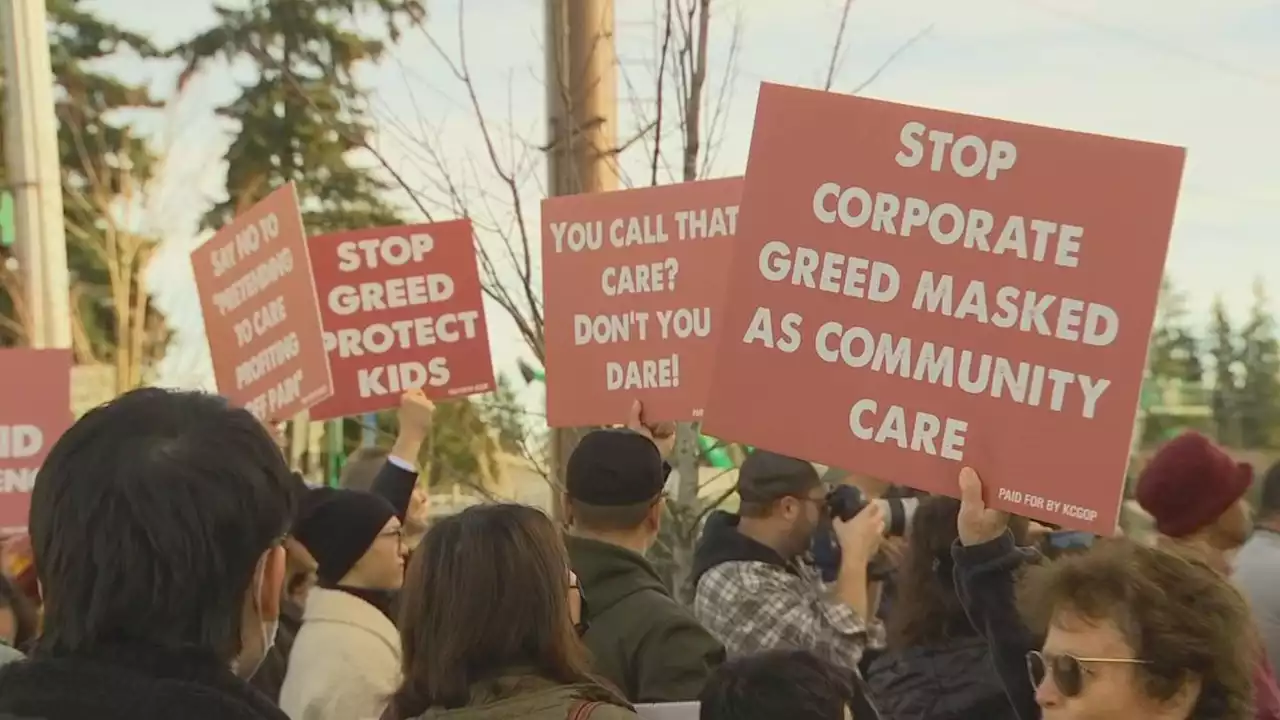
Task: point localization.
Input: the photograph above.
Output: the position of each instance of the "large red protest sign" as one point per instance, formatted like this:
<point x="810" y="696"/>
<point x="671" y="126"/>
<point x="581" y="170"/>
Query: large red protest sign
<point x="35" y="387"/>
<point x="260" y="310"/>
<point x="633" y="283"/>
<point x="402" y="309"/>
<point x="913" y="291"/>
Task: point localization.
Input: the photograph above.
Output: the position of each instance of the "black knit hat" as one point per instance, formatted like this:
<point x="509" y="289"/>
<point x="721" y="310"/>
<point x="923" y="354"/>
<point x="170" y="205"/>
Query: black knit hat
<point x="610" y="468"/>
<point x="338" y="526"/>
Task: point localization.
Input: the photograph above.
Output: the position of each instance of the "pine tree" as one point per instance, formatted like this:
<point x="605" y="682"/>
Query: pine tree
<point x="1175" y="370"/>
<point x="1260" y="375"/>
<point x="1175" y="349"/>
<point x="1225" y="396"/>
<point x="302" y="116"/>
<point x="505" y="417"/>
<point x="98" y="156"/>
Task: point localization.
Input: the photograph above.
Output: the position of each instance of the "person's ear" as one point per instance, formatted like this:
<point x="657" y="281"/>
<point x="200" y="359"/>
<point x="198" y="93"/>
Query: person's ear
<point x="271" y="585"/>
<point x="653" y="521"/>
<point x="1184" y="700"/>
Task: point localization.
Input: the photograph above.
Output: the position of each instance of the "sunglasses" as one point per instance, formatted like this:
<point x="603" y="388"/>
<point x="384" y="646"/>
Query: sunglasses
<point x="1067" y="671"/>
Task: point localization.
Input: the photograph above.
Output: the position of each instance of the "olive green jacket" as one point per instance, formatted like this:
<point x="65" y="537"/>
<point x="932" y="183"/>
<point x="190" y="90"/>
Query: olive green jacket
<point x="641" y="638"/>
<point x="526" y="697"/>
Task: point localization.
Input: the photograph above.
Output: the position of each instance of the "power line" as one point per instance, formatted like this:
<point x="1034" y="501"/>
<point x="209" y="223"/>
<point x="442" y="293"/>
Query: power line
<point x="1163" y="47"/>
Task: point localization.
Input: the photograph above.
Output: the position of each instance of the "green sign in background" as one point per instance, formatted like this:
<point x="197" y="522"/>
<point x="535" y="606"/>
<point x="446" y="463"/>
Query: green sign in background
<point x="6" y="219"/>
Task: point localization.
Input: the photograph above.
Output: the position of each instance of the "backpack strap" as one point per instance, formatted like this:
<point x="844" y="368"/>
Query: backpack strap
<point x="582" y="709"/>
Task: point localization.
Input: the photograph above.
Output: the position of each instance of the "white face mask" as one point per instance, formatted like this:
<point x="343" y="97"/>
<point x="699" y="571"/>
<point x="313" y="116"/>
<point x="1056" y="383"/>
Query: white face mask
<point x="268" y="630"/>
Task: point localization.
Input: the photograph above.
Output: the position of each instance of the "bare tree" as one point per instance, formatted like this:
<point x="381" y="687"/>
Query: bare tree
<point x="114" y="228"/>
<point x="679" y="112"/>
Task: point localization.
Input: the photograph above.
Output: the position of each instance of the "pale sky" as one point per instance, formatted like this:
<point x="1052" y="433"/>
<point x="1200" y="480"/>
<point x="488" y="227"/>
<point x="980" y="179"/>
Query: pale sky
<point x="1195" y="73"/>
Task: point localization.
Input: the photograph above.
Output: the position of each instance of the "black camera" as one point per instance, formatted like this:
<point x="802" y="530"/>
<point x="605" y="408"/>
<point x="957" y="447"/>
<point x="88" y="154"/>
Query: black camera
<point x="846" y="501"/>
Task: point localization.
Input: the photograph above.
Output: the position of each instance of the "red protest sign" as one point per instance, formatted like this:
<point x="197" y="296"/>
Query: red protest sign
<point x="260" y="310"/>
<point x="633" y="283"/>
<point x="36" y="389"/>
<point x="914" y="291"/>
<point x="402" y="309"/>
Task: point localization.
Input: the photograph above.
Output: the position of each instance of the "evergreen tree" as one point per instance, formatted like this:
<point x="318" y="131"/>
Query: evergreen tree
<point x="1175" y="370"/>
<point x="1175" y="348"/>
<point x="98" y="157"/>
<point x="505" y="416"/>
<point x="1225" y="395"/>
<point x="1260" y="376"/>
<point x="302" y="116"/>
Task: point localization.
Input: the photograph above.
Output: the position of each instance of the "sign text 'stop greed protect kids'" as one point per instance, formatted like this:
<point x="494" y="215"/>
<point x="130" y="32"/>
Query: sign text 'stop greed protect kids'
<point x="260" y="310"/>
<point x="633" y="284"/>
<point x="402" y="310"/>
<point x="935" y="290"/>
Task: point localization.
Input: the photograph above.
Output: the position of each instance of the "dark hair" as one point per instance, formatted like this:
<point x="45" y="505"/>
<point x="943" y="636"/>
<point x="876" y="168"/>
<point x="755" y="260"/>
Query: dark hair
<point x="1269" y="498"/>
<point x="362" y="467"/>
<point x="613" y="518"/>
<point x="24" y="614"/>
<point x="487" y="591"/>
<point x="1174" y="610"/>
<point x="766" y="477"/>
<point x="148" y="520"/>
<point x="792" y="684"/>
<point x="926" y="610"/>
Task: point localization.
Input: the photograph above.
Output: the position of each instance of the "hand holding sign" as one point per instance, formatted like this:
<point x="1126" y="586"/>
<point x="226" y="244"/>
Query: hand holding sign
<point x="662" y="434"/>
<point x="415" y="416"/>
<point x="977" y="524"/>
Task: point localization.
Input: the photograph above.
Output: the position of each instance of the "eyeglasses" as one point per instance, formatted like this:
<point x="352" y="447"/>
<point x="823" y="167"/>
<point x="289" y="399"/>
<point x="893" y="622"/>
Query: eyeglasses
<point x="1068" y="671"/>
<point x="582" y="625"/>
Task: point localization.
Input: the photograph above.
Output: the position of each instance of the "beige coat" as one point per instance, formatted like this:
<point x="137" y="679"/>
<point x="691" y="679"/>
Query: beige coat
<point x="345" y="662"/>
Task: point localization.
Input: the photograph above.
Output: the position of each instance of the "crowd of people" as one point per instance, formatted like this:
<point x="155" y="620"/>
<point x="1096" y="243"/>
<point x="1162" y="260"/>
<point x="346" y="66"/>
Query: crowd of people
<point x="180" y="569"/>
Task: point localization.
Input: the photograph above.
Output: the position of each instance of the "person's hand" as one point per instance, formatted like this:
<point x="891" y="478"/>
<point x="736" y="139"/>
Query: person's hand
<point x="1037" y="532"/>
<point x="861" y="536"/>
<point x="415" y="416"/>
<point x="662" y="434"/>
<point x="977" y="524"/>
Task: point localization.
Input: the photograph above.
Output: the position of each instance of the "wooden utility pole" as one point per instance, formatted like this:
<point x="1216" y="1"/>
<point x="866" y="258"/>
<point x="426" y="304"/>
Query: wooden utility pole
<point x="31" y="148"/>
<point x="582" y="125"/>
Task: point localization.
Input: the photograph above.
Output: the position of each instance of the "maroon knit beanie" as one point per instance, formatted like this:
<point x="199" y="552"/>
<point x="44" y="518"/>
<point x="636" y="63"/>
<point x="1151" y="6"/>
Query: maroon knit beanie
<point x="1190" y="483"/>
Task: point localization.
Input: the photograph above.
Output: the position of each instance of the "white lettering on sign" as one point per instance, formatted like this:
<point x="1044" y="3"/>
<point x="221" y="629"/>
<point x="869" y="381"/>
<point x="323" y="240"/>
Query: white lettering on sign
<point x="18" y="442"/>
<point x="918" y="432"/>
<point x="382" y="337"/>
<point x="391" y="294"/>
<point x="402" y="377"/>
<point x="643" y="374"/>
<point x="637" y="238"/>
<point x="376" y="252"/>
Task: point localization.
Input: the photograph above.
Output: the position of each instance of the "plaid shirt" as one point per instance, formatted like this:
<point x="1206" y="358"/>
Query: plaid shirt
<point x="753" y="607"/>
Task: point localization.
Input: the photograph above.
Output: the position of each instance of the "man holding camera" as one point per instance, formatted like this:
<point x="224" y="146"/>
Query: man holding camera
<point x="753" y="590"/>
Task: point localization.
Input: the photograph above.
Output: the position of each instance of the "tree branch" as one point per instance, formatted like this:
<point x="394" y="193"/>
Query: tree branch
<point x="838" y="46"/>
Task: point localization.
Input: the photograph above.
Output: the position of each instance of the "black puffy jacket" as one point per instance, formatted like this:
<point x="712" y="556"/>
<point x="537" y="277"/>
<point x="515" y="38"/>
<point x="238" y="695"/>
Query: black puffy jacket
<point x="956" y="681"/>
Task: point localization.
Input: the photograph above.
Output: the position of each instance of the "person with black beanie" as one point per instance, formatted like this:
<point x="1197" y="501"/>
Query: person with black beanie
<point x="641" y="638"/>
<point x="345" y="661"/>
